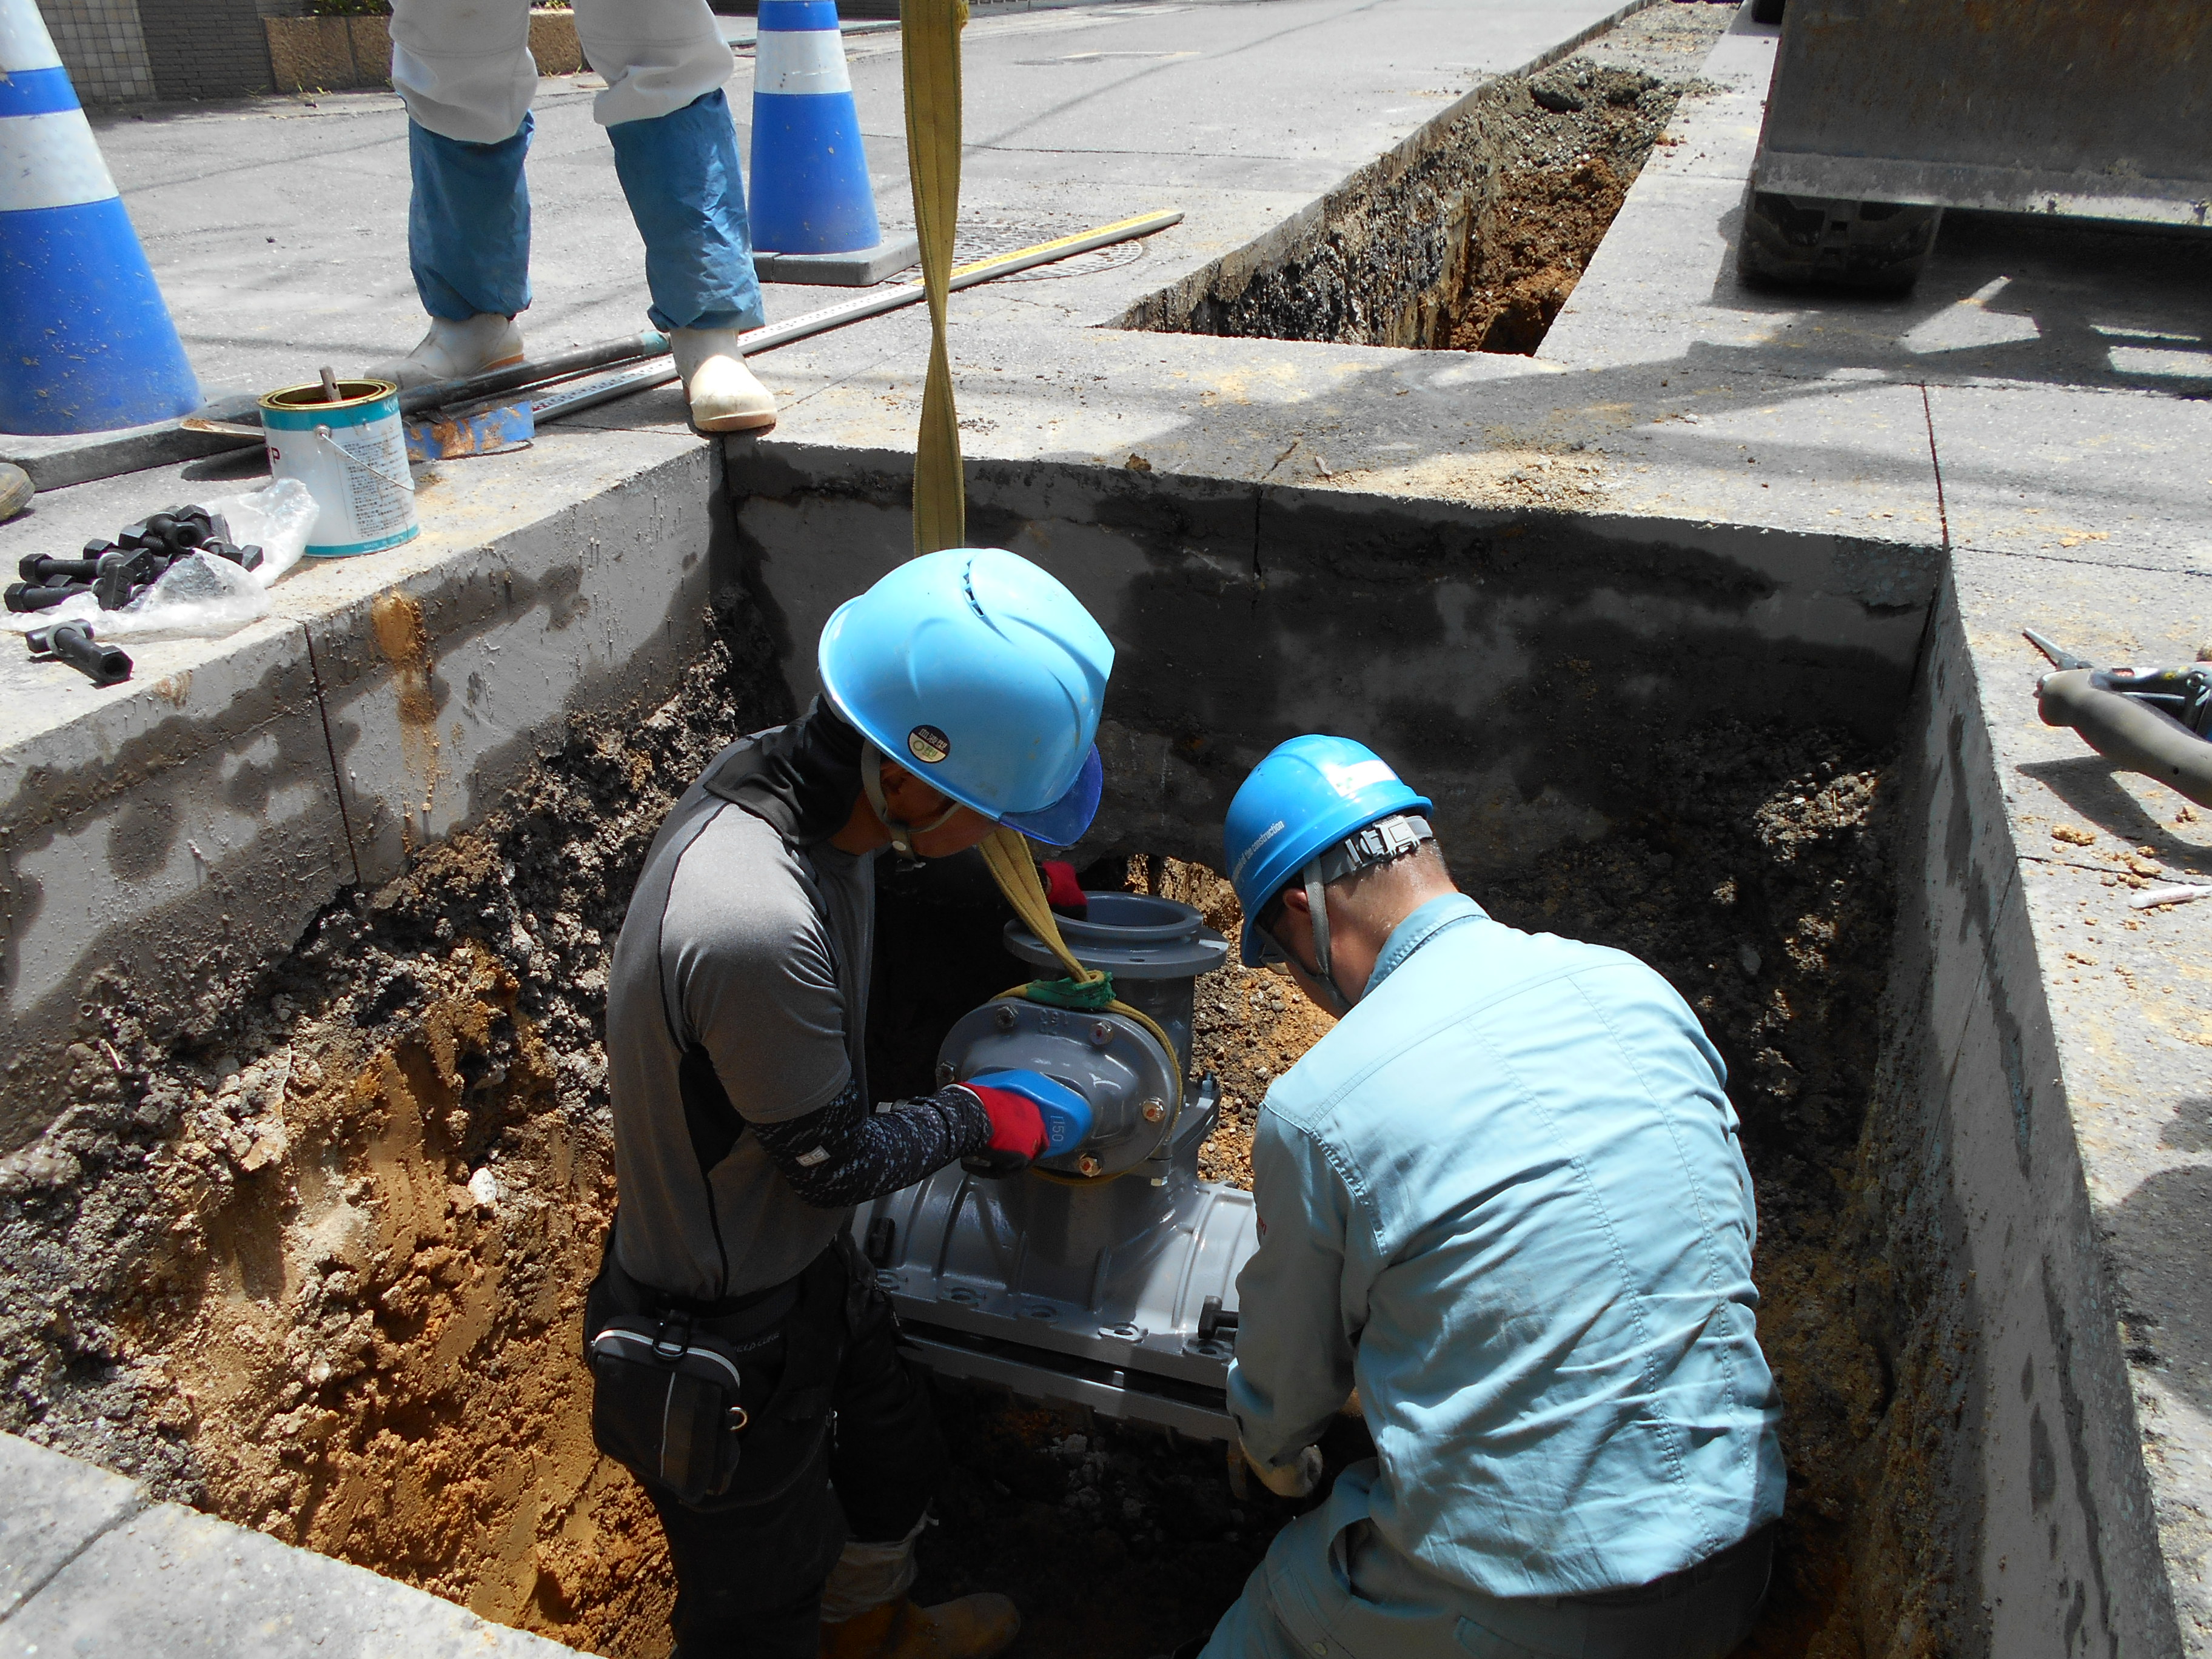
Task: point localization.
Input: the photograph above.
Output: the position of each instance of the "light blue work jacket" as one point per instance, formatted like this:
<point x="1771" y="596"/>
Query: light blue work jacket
<point x="1504" y="1197"/>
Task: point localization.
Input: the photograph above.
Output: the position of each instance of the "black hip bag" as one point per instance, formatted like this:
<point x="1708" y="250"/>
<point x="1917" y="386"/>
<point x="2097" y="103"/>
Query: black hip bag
<point x="669" y="1402"/>
<point x="683" y="1397"/>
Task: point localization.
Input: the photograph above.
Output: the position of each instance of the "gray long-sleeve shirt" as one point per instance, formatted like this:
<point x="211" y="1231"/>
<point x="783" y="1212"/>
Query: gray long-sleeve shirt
<point x="737" y="1001"/>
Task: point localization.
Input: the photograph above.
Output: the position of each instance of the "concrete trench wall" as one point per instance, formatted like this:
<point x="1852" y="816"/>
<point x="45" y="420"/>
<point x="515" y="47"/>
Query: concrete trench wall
<point x="2004" y="1311"/>
<point x="1513" y="660"/>
<point x="1515" y="663"/>
<point x="179" y="839"/>
<point x="1518" y="662"/>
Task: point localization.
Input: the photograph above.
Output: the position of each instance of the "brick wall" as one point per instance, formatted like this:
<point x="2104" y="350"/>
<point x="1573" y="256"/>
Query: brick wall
<point x="103" y="47"/>
<point x="206" y="48"/>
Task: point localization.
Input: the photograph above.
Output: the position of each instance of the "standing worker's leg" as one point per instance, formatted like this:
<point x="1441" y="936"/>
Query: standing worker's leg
<point x="676" y="153"/>
<point x="749" y="1562"/>
<point x="748" y="1584"/>
<point x="464" y="67"/>
<point x="885" y="1465"/>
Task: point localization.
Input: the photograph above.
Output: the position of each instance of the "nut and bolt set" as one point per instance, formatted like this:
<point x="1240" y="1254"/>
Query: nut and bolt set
<point x="117" y="572"/>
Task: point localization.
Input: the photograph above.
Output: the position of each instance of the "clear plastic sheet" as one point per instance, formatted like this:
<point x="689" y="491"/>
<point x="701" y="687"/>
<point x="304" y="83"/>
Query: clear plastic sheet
<point x="199" y="596"/>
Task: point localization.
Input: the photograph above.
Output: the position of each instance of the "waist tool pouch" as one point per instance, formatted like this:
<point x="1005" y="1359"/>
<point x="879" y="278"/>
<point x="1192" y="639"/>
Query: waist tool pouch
<point x="666" y="1405"/>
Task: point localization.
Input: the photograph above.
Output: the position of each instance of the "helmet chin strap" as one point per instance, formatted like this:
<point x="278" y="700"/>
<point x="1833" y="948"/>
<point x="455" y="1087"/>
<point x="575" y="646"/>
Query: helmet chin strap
<point x="902" y="834"/>
<point x="1317" y="904"/>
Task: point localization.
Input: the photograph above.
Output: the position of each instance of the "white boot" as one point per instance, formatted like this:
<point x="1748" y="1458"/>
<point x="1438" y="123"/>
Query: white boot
<point x="453" y="349"/>
<point x="724" y="395"/>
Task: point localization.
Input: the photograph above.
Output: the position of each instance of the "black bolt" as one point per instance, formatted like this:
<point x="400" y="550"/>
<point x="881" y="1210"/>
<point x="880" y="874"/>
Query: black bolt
<point x="45" y="568"/>
<point x="36" y="596"/>
<point x="73" y="643"/>
<point x="121" y="575"/>
<point x="248" y="557"/>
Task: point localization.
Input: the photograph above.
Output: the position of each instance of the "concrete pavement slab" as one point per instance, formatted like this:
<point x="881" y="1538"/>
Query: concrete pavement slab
<point x="2004" y="299"/>
<point x="182" y="1586"/>
<point x="2097" y="477"/>
<point x="54" y="1508"/>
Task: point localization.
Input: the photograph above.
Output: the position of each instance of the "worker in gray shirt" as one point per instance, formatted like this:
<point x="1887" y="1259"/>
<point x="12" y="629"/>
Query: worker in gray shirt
<point x="744" y="1361"/>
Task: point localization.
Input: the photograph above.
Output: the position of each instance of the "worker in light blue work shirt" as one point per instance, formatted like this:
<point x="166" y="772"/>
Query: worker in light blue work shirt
<point x="1504" y="1197"/>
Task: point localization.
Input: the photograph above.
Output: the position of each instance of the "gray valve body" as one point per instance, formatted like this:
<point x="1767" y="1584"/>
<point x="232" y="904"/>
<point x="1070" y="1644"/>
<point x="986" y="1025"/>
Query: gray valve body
<point x="1086" y="1281"/>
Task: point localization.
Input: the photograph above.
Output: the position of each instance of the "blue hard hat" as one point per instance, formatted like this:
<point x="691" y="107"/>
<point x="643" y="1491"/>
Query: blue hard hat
<point x="983" y="677"/>
<point x="1308" y="794"/>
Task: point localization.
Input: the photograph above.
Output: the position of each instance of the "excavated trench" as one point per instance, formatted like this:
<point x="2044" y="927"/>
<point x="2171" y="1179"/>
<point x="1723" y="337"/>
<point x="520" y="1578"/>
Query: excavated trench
<point x="316" y="1266"/>
<point x="1472" y="235"/>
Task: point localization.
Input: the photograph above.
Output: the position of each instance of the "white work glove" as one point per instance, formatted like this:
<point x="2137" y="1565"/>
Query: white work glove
<point x="1296" y="1478"/>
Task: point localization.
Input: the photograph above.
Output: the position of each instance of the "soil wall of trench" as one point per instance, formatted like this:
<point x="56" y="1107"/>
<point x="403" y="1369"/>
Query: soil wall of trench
<point x="1472" y="233"/>
<point x="318" y="1269"/>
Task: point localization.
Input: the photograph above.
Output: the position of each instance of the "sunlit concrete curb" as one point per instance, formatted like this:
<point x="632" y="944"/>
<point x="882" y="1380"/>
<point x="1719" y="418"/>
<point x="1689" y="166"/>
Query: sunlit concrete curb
<point x="89" y="1564"/>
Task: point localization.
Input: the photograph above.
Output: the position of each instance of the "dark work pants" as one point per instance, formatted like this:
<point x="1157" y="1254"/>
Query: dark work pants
<point x="750" y="1569"/>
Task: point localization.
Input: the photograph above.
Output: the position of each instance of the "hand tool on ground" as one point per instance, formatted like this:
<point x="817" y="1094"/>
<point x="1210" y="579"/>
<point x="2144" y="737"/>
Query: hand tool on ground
<point x="553" y="402"/>
<point x="2157" y="721"/>
<point x="73" y="643"/>
<point x="240" y="416"/>
<point x="468" y="407"/>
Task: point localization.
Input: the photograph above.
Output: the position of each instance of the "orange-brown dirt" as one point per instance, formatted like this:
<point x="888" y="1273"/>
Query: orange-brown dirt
<point x="1475" y="240"/>
<point x="382" y="1362"/>
<point x="317" y="1265"/>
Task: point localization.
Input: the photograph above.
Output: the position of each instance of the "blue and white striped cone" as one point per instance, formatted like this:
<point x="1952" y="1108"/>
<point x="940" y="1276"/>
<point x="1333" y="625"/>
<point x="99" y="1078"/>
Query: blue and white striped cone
<point x="86" y="343"/>
<point x="810" y="190"/>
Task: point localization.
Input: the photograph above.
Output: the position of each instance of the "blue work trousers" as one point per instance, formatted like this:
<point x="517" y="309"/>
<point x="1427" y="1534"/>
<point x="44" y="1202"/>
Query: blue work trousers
<point x="468" y="230"/>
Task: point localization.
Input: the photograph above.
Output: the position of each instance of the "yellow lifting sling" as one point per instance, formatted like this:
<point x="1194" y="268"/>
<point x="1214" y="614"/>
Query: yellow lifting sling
<point x="929" y="34"/>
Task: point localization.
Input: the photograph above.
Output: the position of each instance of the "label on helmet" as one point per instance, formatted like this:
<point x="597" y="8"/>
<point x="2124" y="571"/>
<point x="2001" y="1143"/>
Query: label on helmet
<point x="1349" y="781"/>
<point x="1237" y="875"/>
<point x="928" y="744"/>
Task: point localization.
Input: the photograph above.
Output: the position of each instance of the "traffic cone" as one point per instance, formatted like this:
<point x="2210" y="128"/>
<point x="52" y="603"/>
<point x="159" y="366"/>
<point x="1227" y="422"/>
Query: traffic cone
<point x="86" y="344"/>
<point x="810" y="189"/>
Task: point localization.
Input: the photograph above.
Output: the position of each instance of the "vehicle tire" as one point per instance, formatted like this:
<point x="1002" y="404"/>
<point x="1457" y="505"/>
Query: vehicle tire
<point x="1876" y="247"/>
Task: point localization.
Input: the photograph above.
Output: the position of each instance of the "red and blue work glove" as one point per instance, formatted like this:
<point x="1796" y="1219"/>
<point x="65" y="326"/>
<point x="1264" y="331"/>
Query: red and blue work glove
<point x="1032" y="1117"/>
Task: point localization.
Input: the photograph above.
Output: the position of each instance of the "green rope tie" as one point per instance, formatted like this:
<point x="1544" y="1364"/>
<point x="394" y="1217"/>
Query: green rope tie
<point x="1085" y="996"/>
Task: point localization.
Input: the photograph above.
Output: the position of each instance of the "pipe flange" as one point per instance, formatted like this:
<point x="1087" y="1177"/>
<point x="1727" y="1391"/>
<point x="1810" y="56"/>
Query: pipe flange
<point x="1108" y="1058"/>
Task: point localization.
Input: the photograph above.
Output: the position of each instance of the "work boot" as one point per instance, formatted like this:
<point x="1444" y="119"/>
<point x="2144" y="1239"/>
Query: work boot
<point x="972" y="1627"/>
<point x="723" y="393"/>
<point x="452" y="349"/>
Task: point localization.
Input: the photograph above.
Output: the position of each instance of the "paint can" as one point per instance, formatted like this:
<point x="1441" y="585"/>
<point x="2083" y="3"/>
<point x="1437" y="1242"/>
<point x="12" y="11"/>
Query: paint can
<point x="352" y="456"/>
